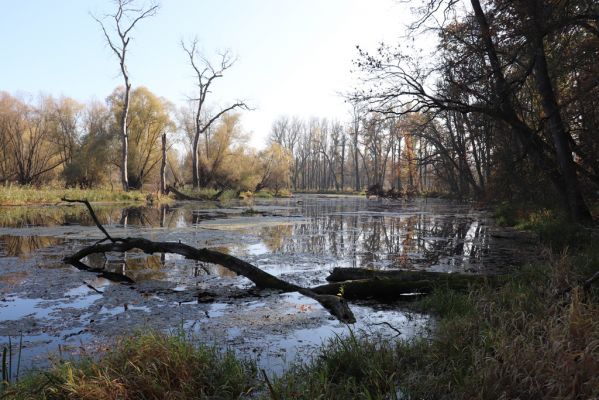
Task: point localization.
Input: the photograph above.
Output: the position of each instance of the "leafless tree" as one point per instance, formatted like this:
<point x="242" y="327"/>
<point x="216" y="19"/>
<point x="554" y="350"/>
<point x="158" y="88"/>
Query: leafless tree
<point x="123" y="21"/>
<point x="205" y="73"/>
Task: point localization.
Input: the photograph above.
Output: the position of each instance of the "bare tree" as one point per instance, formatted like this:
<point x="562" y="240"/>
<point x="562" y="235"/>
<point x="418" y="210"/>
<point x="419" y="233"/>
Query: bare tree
<point x="124" y="19"/>
<point x="206" y="72"/>
<point x="356" y="115"/>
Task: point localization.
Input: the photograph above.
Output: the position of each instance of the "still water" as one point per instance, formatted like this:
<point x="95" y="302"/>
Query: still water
<point x="59" y="309"/>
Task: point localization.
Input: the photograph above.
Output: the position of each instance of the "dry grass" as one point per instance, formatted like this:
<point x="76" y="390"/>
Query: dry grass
<point x="25" y="195"/>
<point x="526" y="340"/>
<point x="148" y="366"/>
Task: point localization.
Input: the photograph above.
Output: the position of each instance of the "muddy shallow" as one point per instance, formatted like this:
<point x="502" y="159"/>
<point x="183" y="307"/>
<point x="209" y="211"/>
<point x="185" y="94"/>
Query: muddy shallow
<point x="57" y="308"/>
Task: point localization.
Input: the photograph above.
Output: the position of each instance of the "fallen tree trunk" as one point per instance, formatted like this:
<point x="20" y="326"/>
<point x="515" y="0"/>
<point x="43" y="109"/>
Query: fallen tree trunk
<point x="452" y="278"/>
<point x="387" y="289"/>
<point x="360" y="283"/>
<point x="336" y="305"/>
<point x="182" y="196"/>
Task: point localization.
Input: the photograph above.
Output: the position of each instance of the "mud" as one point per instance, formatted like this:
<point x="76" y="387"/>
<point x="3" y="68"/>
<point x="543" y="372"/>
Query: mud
<point x="60" y="310"/>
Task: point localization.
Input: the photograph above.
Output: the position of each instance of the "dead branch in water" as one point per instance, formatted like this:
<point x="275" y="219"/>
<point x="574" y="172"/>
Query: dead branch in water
<point x="92" y="213"/>
<point x="336" y="305"/>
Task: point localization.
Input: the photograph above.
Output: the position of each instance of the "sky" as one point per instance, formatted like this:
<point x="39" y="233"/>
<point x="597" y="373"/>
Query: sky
<point x="293" y="57"/>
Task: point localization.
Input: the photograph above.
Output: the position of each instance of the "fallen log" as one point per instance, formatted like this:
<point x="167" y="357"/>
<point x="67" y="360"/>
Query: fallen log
<point x="336" y="305"/>
<point x="387" y="289"/>
<point x="182" y="196"/>
<point x="450" y="278"/>
<point x="361" y="283"/>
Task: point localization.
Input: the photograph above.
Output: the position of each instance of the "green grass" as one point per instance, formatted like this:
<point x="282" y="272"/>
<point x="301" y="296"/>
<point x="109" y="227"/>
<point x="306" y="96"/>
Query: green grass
<point x="346" y="368"/>
<point x="24" y="195"/>
<point x="334" y="192"/>
<point x="269" y="193"/>
<point x="263" y="194"/>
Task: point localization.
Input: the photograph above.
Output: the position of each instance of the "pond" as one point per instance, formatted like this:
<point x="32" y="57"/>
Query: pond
<point x="56" y="309"/>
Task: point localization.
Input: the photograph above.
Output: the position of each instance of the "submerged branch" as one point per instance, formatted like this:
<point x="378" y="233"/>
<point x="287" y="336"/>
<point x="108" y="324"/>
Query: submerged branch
<point x="92" y="213"/>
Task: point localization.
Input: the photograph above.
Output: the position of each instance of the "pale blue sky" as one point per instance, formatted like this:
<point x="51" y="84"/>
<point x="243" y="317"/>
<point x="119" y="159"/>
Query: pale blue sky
<point x="293" y="56"/>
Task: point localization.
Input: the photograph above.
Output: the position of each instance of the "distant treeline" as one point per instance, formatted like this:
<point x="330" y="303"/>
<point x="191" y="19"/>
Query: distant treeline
<point x="59" y="140"/>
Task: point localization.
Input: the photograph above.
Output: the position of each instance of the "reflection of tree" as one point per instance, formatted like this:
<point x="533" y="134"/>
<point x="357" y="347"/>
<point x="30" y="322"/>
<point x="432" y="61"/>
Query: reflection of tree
<point x="12" y="279"/>
<point x="23" y="246"/>
<point x="144" y="267"/>
<point x="370" y="239"/>
<point x="18" y="217"/>
<point x="274" y="236"/>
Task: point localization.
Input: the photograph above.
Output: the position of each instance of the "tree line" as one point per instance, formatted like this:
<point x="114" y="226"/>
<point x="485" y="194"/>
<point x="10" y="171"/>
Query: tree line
<point x="128" y="140"/>
<point x="509" y="101"/>
<point x="48" y="140"/>
<point x="365" y="151"/>
<point x="504" y="108"/>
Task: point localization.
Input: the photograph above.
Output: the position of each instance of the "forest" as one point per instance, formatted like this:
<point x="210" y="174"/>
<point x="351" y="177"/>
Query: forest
<point x="440" y="240"/>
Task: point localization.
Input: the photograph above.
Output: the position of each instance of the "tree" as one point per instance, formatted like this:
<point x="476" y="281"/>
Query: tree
<point x="27" y="137"/>
<point x="205" y="72"/>
<point x="88" y="167"/>
<point x="493" y="66"/>
<point x="275" y="171"/>
<point x="148" y="119"/>
<point x="125" y="18"/>
<point x="218" y="159"/>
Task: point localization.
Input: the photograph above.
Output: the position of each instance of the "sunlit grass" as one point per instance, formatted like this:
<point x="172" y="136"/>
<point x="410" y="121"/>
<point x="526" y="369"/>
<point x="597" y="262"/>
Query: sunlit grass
<point x="147" y="366"/>
<point x="24" y="195"/>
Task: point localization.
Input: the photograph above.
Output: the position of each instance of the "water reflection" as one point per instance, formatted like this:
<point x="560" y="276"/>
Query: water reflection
<point x="384" y="236"/>
<point x="299" y="240"/>
<point x="24" y="246"/>
<point x="351" y="230"/>
<point x="154" y="267"/>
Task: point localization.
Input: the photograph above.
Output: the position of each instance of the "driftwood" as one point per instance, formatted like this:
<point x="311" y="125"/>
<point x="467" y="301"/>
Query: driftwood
<point x="336" y="305"/>
<point x="348" y="283"/>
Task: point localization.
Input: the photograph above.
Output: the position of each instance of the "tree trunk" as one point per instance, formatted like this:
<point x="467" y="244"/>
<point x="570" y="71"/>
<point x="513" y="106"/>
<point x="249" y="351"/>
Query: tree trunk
<point x="195" y="162"/>
<point x="336" y="305"/>
<point x="564" y="179"/>
<point x="125" y="137"/>
<point x="360" y="283"/>
<point x="574" y="202"/>
<point x="163" y="166"/>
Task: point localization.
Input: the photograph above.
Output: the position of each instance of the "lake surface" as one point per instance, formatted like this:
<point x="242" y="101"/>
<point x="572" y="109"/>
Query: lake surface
<point x="58" y="309"/>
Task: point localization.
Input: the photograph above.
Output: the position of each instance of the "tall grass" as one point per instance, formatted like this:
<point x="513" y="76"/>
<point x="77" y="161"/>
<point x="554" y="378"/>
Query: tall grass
<point x="533" y="338"/>
<point x="147" y="366"/>
<point x="349" y="367"/>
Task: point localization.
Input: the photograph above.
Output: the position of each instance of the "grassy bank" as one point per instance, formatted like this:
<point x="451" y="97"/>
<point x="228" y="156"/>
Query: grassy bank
<point x="535" y="337"/>
<point x="25" y="195"/>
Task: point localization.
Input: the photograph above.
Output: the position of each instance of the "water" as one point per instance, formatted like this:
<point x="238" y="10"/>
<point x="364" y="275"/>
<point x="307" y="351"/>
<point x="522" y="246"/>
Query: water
<point x="55" y="306"/>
